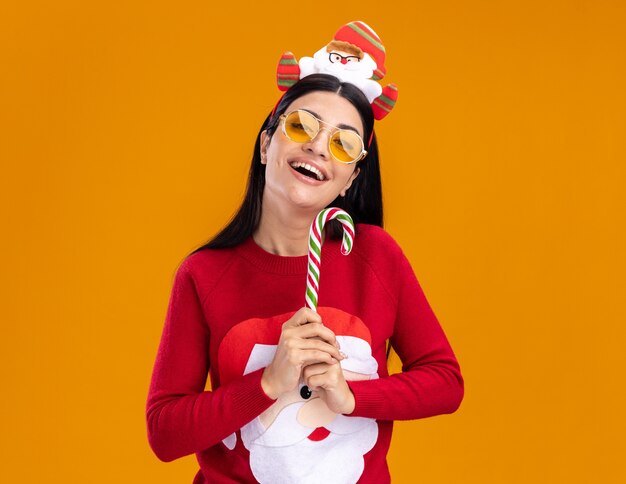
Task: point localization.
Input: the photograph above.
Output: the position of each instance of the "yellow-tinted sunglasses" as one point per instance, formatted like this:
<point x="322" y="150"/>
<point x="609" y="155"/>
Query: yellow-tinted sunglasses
<point x="345" y="145"/>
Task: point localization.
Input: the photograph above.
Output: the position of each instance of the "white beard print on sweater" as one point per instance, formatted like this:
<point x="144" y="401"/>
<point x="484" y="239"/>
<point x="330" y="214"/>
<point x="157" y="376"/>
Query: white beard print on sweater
<point x="278" y="439"/>
<point x="284" y="454"/>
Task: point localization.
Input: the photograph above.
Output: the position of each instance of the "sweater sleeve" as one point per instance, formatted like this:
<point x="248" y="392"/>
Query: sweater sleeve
<point x="431" y="382"/>
<point x="183" y="418"/>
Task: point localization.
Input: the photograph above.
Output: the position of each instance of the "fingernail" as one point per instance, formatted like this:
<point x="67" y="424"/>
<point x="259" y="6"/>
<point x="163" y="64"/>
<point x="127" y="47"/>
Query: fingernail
<point x="343" y="354"/>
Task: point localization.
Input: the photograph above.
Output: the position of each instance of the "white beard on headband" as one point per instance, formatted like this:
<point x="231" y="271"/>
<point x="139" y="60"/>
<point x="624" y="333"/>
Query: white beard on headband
<point x="302" y="440"/>
<point x="357" y="73"/>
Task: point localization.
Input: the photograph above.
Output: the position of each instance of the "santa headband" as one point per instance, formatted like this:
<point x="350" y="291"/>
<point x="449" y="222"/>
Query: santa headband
<point x="355" y="55"/>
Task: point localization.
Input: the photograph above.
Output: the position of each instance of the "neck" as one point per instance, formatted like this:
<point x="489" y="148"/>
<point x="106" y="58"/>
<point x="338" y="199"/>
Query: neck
<point x="284" y="232"/>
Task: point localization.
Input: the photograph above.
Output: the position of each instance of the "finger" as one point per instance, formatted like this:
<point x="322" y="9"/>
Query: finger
<point x="309" y="357"/>
<point x="317" y="330"/>
<point x="302" y="317"/>
<point x="324" y="380"/>
<point x="316" y="344"/>
<point x="315" y="369"/>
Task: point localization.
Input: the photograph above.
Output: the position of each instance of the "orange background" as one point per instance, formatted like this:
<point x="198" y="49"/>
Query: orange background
<point x="125" y="137"/>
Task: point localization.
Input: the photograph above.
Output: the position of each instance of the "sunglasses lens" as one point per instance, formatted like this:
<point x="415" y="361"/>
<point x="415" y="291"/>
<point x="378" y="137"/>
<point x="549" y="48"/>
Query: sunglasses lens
<point x="301" y="127"/>
<point x="346" y="146"/>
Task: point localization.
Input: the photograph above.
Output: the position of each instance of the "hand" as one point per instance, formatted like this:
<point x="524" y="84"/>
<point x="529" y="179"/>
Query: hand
<point x="328" y="381"/>
<point x="303" y="341"/>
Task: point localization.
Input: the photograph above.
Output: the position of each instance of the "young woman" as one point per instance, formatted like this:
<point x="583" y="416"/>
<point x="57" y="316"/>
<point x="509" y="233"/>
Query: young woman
<point x="299" y="395"/>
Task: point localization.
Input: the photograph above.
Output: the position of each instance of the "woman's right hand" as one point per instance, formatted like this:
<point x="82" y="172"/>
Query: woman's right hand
<point x="304" y="340"/>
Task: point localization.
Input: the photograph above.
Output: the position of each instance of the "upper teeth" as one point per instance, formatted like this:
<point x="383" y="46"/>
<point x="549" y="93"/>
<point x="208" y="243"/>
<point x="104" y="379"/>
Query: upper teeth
<point x="298" y="164"/>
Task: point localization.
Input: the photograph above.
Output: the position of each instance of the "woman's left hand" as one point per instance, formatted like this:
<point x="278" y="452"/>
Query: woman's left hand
<point x="329" y="383"/>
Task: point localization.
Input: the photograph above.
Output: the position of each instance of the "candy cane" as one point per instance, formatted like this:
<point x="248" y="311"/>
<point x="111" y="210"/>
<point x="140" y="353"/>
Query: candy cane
<point x="315" y="249"/>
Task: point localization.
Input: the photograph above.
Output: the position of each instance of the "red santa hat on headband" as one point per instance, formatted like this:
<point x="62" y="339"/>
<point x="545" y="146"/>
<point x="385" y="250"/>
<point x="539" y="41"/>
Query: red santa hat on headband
<point x="361" y="35"/>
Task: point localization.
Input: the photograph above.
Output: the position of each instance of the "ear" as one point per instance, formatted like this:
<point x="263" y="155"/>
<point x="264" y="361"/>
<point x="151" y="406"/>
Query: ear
<point x="350" y="180"/>
<point x="264" y="142"/>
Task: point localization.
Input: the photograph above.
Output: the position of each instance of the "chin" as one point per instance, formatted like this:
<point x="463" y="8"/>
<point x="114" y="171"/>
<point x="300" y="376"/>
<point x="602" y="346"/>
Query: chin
<point x="307" y="205"/>
<point x="303" y="200"/>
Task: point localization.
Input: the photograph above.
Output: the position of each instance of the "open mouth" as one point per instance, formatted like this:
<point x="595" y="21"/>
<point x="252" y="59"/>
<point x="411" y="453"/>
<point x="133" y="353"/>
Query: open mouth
<point x="307" y="170"/>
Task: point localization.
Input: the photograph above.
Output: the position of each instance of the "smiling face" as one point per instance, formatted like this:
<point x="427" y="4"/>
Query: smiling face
<point x="283" y="182"/>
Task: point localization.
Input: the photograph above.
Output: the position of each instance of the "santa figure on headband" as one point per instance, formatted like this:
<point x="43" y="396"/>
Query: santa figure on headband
<point x="298" y="438"/>
<point x="355" y="55"/>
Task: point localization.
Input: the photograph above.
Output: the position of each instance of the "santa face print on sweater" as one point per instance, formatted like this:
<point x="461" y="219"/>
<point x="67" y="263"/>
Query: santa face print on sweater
<point x="298" y="438"/>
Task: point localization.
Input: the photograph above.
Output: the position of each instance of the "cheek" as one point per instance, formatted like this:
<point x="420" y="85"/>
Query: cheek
<point x="344" y="173"/>
<point x="271" y="162"/>
<point x="276" y="151"/>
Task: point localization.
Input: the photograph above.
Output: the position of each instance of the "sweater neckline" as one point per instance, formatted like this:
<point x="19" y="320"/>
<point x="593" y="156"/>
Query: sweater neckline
<point x="286" y="265"/>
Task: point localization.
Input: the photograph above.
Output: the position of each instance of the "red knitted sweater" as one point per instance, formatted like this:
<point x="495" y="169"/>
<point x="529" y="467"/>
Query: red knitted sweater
<point x="224" y="317"/>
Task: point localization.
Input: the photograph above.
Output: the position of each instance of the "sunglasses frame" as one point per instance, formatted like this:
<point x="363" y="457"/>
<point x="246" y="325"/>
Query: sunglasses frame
<point x="283" y="119"/>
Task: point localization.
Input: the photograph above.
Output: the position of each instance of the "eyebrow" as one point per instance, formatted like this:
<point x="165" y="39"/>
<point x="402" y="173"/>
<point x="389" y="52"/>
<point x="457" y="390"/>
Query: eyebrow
<point x="342" y="125"/>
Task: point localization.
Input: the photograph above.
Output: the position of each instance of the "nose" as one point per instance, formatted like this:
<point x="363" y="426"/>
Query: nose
<point x="319" y="144"/>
